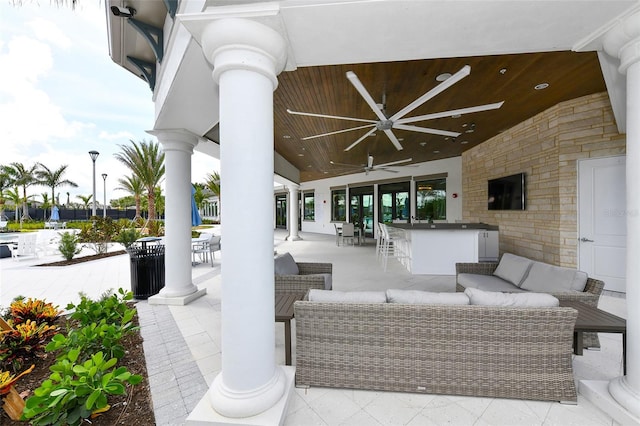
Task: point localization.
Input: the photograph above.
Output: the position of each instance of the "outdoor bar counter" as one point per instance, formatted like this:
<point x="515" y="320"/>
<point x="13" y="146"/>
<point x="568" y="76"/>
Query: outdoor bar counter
<point x="435" y="248"/>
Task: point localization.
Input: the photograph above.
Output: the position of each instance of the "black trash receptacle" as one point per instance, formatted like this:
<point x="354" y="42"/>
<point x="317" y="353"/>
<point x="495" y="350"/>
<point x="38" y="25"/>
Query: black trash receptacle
<point x="147" y="267"/>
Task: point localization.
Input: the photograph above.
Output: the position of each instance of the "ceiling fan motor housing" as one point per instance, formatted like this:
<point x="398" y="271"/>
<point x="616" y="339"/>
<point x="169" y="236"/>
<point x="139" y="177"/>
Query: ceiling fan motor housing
<point x="384" y="125"/>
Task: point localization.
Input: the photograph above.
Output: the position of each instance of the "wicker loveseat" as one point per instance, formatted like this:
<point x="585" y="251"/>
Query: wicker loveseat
<point x="590" y="294"/>
<point x="482" y="351"/>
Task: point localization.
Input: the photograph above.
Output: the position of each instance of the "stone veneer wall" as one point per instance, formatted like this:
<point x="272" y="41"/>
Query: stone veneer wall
<point x="546" y="147"/>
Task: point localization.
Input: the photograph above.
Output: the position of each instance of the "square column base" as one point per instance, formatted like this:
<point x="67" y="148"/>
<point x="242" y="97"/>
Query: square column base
<point x="177" y="301"/>
<point x="597" y="392"/>
<point x="205" y="415"/>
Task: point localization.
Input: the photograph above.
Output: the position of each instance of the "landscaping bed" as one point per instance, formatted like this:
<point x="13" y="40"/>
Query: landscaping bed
<point x="133" y="407"/>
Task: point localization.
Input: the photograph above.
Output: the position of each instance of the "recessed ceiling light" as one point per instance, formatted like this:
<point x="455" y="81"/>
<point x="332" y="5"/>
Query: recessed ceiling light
<point x="464" y="142"/>
<point x="423" y="143"/>
<point x="400" y="139"/>
<point x="436" y="152"/>
<point x="444" y="76"/>
<point x="503" y="71"/>
<point x="541" y="86"/>
<point x="286" y="137"/>
<point x="300" y="155"/>
<point x="456" y="116"/>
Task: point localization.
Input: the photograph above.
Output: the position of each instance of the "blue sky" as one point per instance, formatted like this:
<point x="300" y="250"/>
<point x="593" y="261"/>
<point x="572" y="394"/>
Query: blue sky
<point x="61" y="96"/>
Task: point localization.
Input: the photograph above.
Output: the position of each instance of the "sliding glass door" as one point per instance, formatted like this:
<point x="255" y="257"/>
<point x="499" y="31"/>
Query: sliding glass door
<point x="394" y="202"/>
<point x="361" y="208"/>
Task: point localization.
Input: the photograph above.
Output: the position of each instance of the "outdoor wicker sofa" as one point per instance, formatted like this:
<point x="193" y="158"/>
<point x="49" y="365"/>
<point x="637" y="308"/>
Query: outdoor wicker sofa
<point x="590" y="295"/>
<point x="481" y="351"/>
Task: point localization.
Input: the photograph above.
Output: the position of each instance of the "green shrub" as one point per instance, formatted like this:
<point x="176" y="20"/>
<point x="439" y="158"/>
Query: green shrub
<point x="97" y="233"/>
<point x="128" y="236"/>
<point x="76" y="390"/>
<point x="68" y="245"/>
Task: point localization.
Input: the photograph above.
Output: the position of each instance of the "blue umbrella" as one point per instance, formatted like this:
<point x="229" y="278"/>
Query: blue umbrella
<point x="55" y="213"/>
<point x="195" y="214"/>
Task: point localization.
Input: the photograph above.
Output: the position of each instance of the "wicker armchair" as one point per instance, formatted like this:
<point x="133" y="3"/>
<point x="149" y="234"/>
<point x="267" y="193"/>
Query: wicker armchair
<point x="590" y="296"/>
<point x="310" y="276"/>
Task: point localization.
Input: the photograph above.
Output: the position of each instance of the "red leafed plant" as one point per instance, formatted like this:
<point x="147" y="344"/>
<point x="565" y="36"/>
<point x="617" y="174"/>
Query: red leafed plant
<point x="36" y="310"/>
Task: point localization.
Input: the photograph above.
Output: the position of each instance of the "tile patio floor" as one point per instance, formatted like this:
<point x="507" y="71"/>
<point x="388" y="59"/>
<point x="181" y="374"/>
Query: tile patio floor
<point x="182" y="343"/>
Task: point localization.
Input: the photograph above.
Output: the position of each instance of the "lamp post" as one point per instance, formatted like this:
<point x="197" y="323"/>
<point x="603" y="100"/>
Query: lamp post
<point x="94" y="155"/>
<point x="104" y="205"/>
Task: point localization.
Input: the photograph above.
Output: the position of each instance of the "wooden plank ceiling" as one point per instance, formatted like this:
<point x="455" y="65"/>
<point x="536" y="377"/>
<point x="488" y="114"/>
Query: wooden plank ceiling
<point x="508" y="78"/>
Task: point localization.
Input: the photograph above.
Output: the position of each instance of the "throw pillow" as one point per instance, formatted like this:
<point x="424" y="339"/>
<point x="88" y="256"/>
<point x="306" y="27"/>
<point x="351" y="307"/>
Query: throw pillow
<point x="580" y="281"/>
<point x="513" y="268"/>
<point x="549" y="278"/>
<point x="494" y="298"/>
<point x="316" y="295"/>
<point x="426" y="297"/>
<point x="328" y="281"/>
<point x="285" y="265"/>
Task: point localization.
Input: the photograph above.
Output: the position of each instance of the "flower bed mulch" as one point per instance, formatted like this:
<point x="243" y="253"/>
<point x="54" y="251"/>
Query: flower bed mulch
<point x="82" y="259"/>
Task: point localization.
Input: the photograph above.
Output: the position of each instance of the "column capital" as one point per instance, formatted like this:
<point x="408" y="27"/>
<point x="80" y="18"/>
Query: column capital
<point x="623" y="41"/>
<point x="241" y="42"/>
<point x="176" y="139"/>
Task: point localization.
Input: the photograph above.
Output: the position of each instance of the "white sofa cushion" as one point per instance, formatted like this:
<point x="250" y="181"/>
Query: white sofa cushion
<point x="513" y="268"/>
<point x="426" y="297"/>
<point x="285" y="265"/>
<point x="494" y="298"/>
<point x="543" y="277"/>
<point x="486" y="282"/>
<point x="316" y="295"/>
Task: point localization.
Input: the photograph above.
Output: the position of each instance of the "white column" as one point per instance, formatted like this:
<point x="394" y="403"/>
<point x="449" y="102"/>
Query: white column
<point x="247" y="56"/>
<point x="623" y="42"/>
<point x="178" y="149"/>
<point x="294" y="212"/>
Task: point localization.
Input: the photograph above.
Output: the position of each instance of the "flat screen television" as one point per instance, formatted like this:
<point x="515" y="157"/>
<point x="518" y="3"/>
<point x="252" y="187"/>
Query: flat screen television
<point x="507" y="193"/>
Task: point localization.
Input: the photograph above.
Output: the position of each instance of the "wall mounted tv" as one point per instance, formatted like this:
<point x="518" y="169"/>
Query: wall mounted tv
<point x="507" y="193"/>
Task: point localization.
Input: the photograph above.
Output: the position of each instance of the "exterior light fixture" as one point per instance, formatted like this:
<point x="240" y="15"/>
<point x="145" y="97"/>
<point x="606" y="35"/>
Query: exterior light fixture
<point x="104" y="204"/>
<point x="94" y="156"/>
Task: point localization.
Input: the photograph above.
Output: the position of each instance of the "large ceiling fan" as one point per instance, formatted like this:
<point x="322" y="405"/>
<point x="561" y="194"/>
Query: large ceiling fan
<point x="397" y="120"/>
<point x="369" y="167"/>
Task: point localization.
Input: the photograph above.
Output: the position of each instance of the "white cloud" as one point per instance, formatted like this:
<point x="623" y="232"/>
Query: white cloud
<point x="119" y="136"/>
<point x="48" y="31"/>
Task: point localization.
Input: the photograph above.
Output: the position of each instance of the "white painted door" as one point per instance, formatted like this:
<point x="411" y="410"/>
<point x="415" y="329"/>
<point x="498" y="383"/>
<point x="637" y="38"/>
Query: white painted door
<point x="602" y="227"/>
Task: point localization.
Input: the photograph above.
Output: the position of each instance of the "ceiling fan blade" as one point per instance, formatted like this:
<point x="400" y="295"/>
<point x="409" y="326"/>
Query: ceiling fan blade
<point x="337" y="117"/>
<point x="426" y="130"/>
<point x="393" y="139"/>
<point x="462" y="73"/>
<point x="384" y="169"/>
<point x="336" y="132"/>
<point x="363" y="137"/>
<point x="406" y="160"/>
<point x="450" y="113"/>
<point x="353" y="78"/>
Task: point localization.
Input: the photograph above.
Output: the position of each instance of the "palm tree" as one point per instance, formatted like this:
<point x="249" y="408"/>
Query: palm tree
<point x="13" y="195"/>
<point x="53" y="178"/>
<point x="24" y="177"/>
<point x="133" y="185"/>
<point x="213" y="184"/>
<point x="146" y="161"/>
<point x="86" y="199"/>
<point x="45" y="204"/>
<point x="5" y="184"/>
